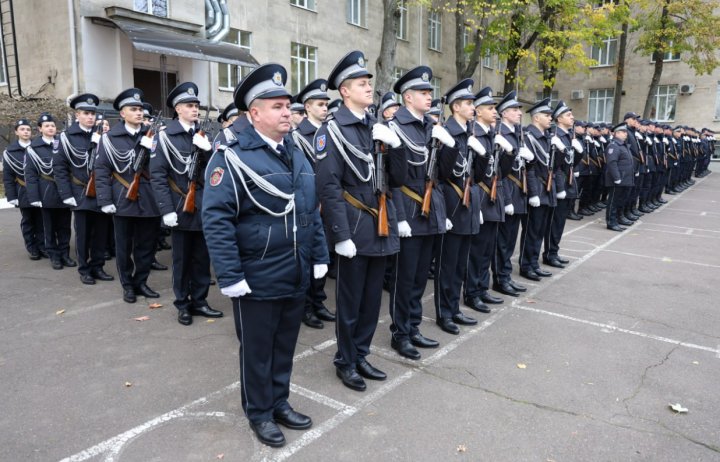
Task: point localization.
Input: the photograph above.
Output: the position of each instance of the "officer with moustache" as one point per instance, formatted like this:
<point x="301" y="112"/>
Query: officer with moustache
<point x="264" y="233"/>
<point x="135" y="221"/>
<point x="73" y="169"/>
<point x="179" y="151"/>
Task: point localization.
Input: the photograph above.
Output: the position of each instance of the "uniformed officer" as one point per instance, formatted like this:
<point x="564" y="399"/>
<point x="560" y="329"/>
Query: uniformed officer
<point x="123" y="155"/>
<point x="297" y="110"/>
<point x="389" y="105"/>
<point x="31" y="225"/>
<point x="492" y="206"/>
<point x="177" y="164"/>
<point x="314" y="99"/>
<point x="42" y="191"/>
<point x="435" y="110"/>
<point x="635" y="143"/>
<point x="333" y="106"/>
<point x="541" y="191"/>
<point x="619" y="175"/>
<point x="228" y="116"/>
<point x="348" y="186"/>
<point x="264" y="232"/>
<point x="457" y="147"/>
<point x="408" y="276"/>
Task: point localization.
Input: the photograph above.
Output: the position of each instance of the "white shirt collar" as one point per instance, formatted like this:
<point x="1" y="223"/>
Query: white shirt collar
<point x="86" y="130"/>
<point x="418" y="117"/>
<point x="272" y="143"/>
<point x="24" y="143"/>
<point x="314" y="124"/>
<point x="484" y="127"/>
<point x="360" y="116"/>
<point x="48" y="140"/>
<point x="185" y="126"/>
<point x="131" y="130"/>
<point x="511" y="127"/>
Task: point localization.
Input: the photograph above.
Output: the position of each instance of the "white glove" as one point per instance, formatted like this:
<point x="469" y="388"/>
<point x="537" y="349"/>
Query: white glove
<point x="238" y="289"/>
<point x="146" y="142"/>
<point x="617" y="181"/>
<point x="70" y="201"/>
<point x="319" y="271"/>
<point x="482" y="220"/>
<point x="665" y="140"/>
<point x="14" y="202"/>
<point x="526" y="154"/>
<point x="509" y="209"/>
<point x="504" y="144"/>
<point x="576" y="174"/>
<point x="346" y="248"/>
<point x="448" y="224"/>
<point x="95" y="138"/>
<point x="170" y="219"/>
<point x="36" y="204"/>
<point x="561" y="195"/>
<point x="442" y="135"/>
<point x="475" y="144"/>
<point x="404" y="229"/>
<point x="382" y="133"/>
<point x="108" y="208"/>
<point x="202" y="142"/>
<point x="534" y="201"/>
<point x="557" y="143"/>
<point x="637" y="173"/>
<point x="639" y="136"/>
<point x="603" y="139"/>
<point x="577" y="145"/>
<point x="656" y="139"/>
<point x="596" y="143"/>
<point x="588" y="138"/>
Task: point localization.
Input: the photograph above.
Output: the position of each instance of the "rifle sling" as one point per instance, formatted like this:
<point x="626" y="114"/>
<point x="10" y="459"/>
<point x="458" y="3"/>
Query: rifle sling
<point x="358" y="204"/>
<point x="411" y="194"/>
<point x="47" y="178"/>
<point x="174" y="186"/>
<point x="456" y="188"/>
<point x="514" y="179"/>
<point x="121" y="180"/>
<point x="20" y="182"/>
<point x="76" y="181"/>
<point x="484" y="187"/>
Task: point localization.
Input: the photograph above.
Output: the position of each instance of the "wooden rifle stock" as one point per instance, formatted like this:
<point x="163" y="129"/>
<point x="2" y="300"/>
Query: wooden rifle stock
<point x="134" y="188"/>
<point x="466" y="192"/>
<point x="189" y="205"/>
<point x="90" y="188"/>
<point x="493" y="189"/>
<point x="427" y="199"/>
<point x="383" y="227"/>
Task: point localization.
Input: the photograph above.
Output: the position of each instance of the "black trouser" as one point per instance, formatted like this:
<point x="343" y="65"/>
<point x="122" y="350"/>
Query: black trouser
<point x="598" y="183"/>
<point x="315" y="295"/>
<point x="408" y="280"/>
<point x="646" y="186"/>
<point x="555" y="228"/>
<point x="358" y="294"/>
<point x="32" y="229"/>
<point x="531" y="239"/>
<point x="617" y="200"/>
<point x="586" y="190"/>
<point x="506" y="240"/>
<point x="191" y="269"/>
<point x="56" y="225"/>
<point x="135" y="242"/>
<point x="660" y="182"/>
<point x="482" y="254"/>
<point x="268" y="331"/>
<point x="450" y="267"/>
<point x="91" y="230"/>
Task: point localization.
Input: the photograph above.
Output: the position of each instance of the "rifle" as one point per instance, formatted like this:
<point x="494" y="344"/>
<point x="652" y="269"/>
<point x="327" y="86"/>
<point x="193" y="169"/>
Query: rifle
<point x="430" y="178"/>
<point x="193" y="170"/>
<point x="140" y="161"/>
<point x="523" y="172"/>
<point x="469" y="179"/>
<point x="496" y="160"/>
<point x="551" y="163"/>
<point x="90" y="188"/>
<point x="383" y="228"/>
<point x="572" y="164"/>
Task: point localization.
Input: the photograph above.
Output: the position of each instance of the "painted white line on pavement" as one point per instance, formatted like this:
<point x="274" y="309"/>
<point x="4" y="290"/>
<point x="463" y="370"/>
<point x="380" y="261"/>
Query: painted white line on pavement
<point x="319" y="398"/>
<point x="609" y="328"/>
<point x="663" y="259"/>
<point x="688" y="232"/>
<point x="688" y="227"/>
<point x="314" y="349"/>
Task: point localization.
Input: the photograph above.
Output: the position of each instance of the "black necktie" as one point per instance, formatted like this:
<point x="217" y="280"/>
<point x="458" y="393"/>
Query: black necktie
<point x="191" y="131"/>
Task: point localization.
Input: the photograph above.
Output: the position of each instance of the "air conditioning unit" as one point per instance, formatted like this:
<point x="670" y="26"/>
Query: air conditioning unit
<point x="577" y="94"/>
<point x="687" y="89"/>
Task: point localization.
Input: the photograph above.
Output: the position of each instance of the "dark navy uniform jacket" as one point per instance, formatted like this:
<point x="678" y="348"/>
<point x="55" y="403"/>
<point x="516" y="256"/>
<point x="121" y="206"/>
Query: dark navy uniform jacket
<point x="408" y="209"/>
<point x="660" y="149"/>
<point x="307" y="131"/>
<point x="112" y="191"/>
<point x="244" y="241"/>
<point x="41" y="186"/>
<point x="574" y="158"/>
<point x="650" y="153"/>
<point x="537" y="169"/>
<point x="342" y="220"/>
<point x="636" y="147"/>
<point x="170" y="187"/>
<point x="466" y="221"/>
<point x="589" y="165"/>
<point x="510" y="165"/>
<point x="72" y="180"/>
<point x="13" y="179"/>
<point x="619" y="164"/>
<point x="483" y="168"/>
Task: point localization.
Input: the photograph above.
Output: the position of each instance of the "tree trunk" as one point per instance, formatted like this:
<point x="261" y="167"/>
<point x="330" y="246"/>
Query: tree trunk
<point x="513" y="59"/>
<point x="459" y="34"/>
<point x="620" y="76"/>
<point x="385" y="63"/>
<point x="658" y="56"/>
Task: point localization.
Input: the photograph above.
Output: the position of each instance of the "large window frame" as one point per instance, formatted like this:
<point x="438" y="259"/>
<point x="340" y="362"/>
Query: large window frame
<point x="229" y="75"/>
<point x="600" y="105"/>
<point x="606" y="54"/>
<point x="665" y="103"/>
<point x="303" y="65"/>
<point x="356" y="12"/>
<point x="435" y="30"/>
<point x="159" y="8"/>
<point x="402" y="21"/>
<point x="304" y="4"/>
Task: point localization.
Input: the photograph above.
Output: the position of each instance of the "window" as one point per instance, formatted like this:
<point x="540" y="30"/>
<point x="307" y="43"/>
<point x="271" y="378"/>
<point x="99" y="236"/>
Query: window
<point x="3" y="71"/>
<point x="154" y="7"/>
<point x="668" y="55"/>
<point x="606" y="53"/>
<point x="487" y="60"/>
<point x="357" y="12"/>
<point x="554" y="97"/>
<point x="663" y="108"/>
<point x="303" y="65"/>
<point x="307" y="4"/>
<point x="717" y="103"/>
<point x="397" y="73"/>
<point x="434" y="30"/>
<point x="402" y="25"/>
<point x="435" y="82"/>
<point x="229" y="75"/>
<point x="601" y="105"/>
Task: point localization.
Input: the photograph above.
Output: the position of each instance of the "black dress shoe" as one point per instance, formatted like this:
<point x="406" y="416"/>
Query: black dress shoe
<point x="310" y="320"/>
<point x="554" y="262"/>
<point x="448" y="326"/>
<point x="615" y="228"/>
<point x="516" y="286"/>
<point x="146" y="291"/>
<point x="404" y="348"/>
<point x="184" y="317"/>
<point x="268" y="433"/>
<point x="530" y="274"/>
<point x="67" y="261"/>
<point x="324" y="314"/>
<point x="644" y="209"/>
<point x="585" y="212"/>
<point x="629" y="216"/>
<point x="163" y="245"/>
<point x="35" y="255"/>
<point x="476" y="304"/>
<point x="542" y="273"/>
<point x="107" y="256"/>
<point x="129" y="296"/>
<point x="491" y="299"/>
<point x="661" y="200"/>
<point x="367" y="370"/>
<point x="420" y="341"/>
<point x="351" y="379"/>
<point x="562" y="260"/>
<point x="44" y="254"/>
<point x="624" y="222"/>
<point x="506" y="289"/>
<point x="574" y="216"/>
<point x="87" y="279"/>
<point x="213" y="282"/>
<point x="292" y="419"/>
<point x="157" y="266"/>
<point x="101" y="275"/>
<point x="464" y="320"/>
<point x="206" y="311"/>
<point x="56" y="264"/>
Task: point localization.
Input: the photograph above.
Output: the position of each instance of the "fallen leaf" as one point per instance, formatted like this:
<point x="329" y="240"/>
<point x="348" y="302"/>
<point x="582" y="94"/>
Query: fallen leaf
<point x="220" y="456"/>
<point x="209" y="320"/>
<point x="696" y="362"/>
<point x="530" y="301"/>
<point x="142" y="318"/>
<point x="677" y="407"/>
<point x="59" y="312"/>
<point x="461" y="448"/>
<point x="154" y="306"/>
<point x="521" y="366"/>
<point x="128" y="384"/>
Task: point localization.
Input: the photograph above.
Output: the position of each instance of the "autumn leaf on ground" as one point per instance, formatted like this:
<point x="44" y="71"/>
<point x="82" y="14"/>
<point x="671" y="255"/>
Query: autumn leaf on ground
<point x="530" y="301"/>
<point x="461" y="448"/>
<point x="59" y="312"/>
<point x="220" y="456"/>
<point x="142" y="318"/>
<point x="677" y="407"/>
<point x="210" y="320"/>
<point x="154" y="306"/>
<point x="128" y="384"/>
<point x="696" y="362"/>
<point x="521" y="366"/>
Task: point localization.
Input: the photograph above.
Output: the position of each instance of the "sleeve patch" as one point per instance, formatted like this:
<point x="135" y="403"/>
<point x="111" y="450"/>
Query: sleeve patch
<point x="320" y="143"/>
<point x="216" y="176"/>
<point x="610" y="151"/>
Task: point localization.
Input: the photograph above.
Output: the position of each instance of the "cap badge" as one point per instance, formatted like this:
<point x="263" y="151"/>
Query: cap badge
<point x="361" y="61"/>
<point x="89" y="101"/>
<point x="425" y="77"/>
<point x="277" y="78"/>
<point x="323" y="87"/>
<point x="136" y="96"/>
<point x="44" y="118"/>
<point x="191" y="91"/>
<point x="469" y="88"/>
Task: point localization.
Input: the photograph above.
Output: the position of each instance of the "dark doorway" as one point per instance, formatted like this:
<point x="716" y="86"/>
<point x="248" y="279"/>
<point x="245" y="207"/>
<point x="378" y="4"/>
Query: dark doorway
<point x="150" y="82"/>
